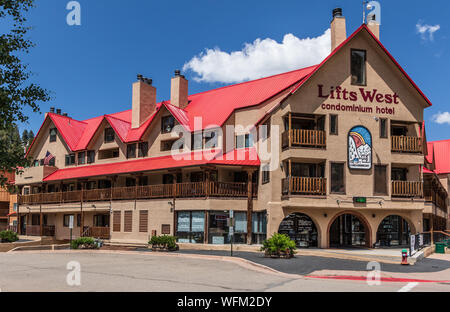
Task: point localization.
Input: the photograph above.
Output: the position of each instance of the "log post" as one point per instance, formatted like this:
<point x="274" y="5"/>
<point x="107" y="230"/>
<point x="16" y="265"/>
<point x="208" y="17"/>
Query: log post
<point x="250" y="173"/>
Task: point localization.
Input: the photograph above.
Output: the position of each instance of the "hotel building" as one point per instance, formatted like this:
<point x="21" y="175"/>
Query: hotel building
<point x="332" y="155"/>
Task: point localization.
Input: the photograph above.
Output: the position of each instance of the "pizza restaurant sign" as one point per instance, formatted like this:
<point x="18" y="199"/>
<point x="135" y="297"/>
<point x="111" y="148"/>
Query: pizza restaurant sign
<point x="382" y="103"/>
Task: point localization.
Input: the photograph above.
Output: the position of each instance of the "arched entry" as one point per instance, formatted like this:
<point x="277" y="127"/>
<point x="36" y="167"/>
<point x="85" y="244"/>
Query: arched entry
<point x="393" y="231"/>
<point x="300" y="228"/>
<point x="349" y="230"/>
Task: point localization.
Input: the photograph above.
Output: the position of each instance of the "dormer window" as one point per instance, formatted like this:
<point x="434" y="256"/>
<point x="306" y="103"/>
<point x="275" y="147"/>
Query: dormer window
<point x="109" y="135"/>
<point x="131" y="151"/>
<point x="167" y="124"/>
<point x="358" y="67"/>
<point x="53" y="133"/>
<point x="244" y="141"/>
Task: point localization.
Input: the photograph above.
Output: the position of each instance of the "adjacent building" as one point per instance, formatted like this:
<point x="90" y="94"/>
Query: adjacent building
<point x="332" y="155"/>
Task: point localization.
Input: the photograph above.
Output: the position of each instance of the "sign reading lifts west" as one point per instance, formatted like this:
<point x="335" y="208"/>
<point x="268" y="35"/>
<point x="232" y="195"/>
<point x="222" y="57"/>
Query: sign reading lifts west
<point x="359" y="148"/>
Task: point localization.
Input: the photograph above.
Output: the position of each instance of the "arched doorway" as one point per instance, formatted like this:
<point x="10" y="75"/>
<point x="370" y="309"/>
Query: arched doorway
<point x="349" y="230"/>
<point x="393" y="231"/>
<point x="300" y="228"/>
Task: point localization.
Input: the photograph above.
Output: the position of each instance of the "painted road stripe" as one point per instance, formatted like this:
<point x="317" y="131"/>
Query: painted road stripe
<point x="408" y="287"/>
<point x="382" y="279"/>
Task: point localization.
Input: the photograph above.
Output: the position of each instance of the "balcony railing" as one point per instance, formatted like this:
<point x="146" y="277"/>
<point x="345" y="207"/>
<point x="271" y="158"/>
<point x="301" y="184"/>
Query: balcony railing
<point x="35" y="230"/>
<point x="101" y="232"/>
<point x="407" y="189"/>
<point x="304" y="186"/>
<point x="179" y="190"/>
<point x="306" y="138"/>
<point x="406" y="144"/>
<point x="4" y="196"/>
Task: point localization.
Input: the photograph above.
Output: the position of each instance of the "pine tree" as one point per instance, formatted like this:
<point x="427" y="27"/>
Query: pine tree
<point x="16" y="90"/>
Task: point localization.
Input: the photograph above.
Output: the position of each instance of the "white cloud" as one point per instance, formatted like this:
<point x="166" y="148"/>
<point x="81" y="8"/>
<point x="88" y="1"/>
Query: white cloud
<point x="427" y="31"/>
<point x="442" y="118"/>
<point x="259" y="59"/>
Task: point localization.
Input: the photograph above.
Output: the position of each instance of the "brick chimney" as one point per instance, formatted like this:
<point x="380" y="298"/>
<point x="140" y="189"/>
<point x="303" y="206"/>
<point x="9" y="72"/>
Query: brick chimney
<point x="144" y="101"/>
<point x="179" y="90"/>
<point x="338" y="30"/>
<point x="374" y="26"/>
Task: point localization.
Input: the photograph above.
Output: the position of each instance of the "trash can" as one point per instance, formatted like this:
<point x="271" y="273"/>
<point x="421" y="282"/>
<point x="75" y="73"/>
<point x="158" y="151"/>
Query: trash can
<point x="440" y="248"/>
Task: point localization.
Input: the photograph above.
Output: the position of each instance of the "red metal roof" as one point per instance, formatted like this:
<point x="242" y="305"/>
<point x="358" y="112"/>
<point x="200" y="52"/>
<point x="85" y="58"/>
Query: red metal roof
<point x="214" y="106"/>
<point x="441" y="152"/>
<point x="244" y="157"/>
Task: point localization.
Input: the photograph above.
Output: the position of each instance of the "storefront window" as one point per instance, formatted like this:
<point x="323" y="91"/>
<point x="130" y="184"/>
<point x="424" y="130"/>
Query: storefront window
<point x="191" y="227"/>
<point x="259" y="227"/>
<point x="218" y="229"/>
<point x="393" y="231"/>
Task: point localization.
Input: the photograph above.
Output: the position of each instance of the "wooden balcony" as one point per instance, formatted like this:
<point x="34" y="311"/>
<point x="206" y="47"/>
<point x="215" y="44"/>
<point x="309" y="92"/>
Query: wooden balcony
<point x="304" y="186"/>
<point x="304" y="138"/>
<point x="4" y="196"/>
<point x="97" y="232"/>
<point x="406" y="144"/>
<point x="35" y="230"/>
<point x="407" y="189"/>
<point x="179" y="190"/>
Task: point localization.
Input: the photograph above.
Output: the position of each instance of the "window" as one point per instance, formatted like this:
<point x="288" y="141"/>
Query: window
<point x="167" y="145"/>
<point x="358" y="64"/>
<point x="265" y="130"/>
<point x="111" y="153"/>
<point x="399" y="130"/>
<point x="334" y="124"/>
<point x="383" y="128"/>
<point x="190" y="227"/>
<point x="53" y="133"/>
<point x="90" y="157"/>
<point x="52" y="162"/>
<point x="266" y="174"/>
<point x="131" y="151"/>
<point x="81" y="158"/>
<point x="197" y="141"/>
<point x="101" y="220"/>
<point x="143" y="149"/>
<point x="211" y="139"/>
<point x="130" y="182"/>
<point x="70" y="159"/>
<point x="244" y="141"/>
<point x="399" y="174"/>
<point x="66" y="220"/>
<point x="109" y="135"/>
<point x="42" y="162"/>
<point x="78" y="220"/>
<point x="380" y="183"/>
<point x="36" y="163"/>
<point x="337" y="178"/>
<point x="167" y="124"/>
<point x="169" y="179"/>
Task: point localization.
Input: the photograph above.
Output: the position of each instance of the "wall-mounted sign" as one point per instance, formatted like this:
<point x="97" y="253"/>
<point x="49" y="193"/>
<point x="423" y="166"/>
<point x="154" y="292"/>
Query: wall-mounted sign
<point x="359" y="148"/>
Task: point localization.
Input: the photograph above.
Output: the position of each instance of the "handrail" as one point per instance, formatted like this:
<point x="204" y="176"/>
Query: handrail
<point x="303" y="137"/>
<point x="180" y="190"/>
<point x="408" y="144"/>
<point x="304" y="185"/>
<point x="407" y="189"/>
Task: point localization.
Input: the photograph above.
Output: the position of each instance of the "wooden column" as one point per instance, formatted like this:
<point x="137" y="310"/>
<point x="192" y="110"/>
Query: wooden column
<point x="41" y="222"/>
<point x="207" y="184"/>
<point x="249" y="205"/>
<point x="81" y="208"/>
<point x="290" y="129"/>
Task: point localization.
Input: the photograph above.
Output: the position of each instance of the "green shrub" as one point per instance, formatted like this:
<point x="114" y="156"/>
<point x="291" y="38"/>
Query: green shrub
<point x="278" y="245"/>
<point x="84" y="243"/>
<point x="164" y="242"/>
<point x="8" y="236"/>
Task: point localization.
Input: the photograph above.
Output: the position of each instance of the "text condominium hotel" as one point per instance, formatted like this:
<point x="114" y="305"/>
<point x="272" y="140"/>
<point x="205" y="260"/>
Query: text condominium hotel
<point x="333" y="155"/>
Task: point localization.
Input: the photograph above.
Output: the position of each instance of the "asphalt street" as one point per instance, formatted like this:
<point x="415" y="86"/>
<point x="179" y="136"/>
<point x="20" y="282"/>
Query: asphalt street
<point x="124" y="272"/>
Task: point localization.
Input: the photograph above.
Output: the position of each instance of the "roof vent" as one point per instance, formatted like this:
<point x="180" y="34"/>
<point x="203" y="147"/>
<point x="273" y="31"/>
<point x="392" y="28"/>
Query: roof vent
<point x="58" y="111"/>
<point x="65" y="115"/>
<point x="52" y="110"/>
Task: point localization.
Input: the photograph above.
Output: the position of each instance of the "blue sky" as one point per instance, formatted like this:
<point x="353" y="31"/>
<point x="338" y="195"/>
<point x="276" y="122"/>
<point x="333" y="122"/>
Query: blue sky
<point x="90" y="68"/>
